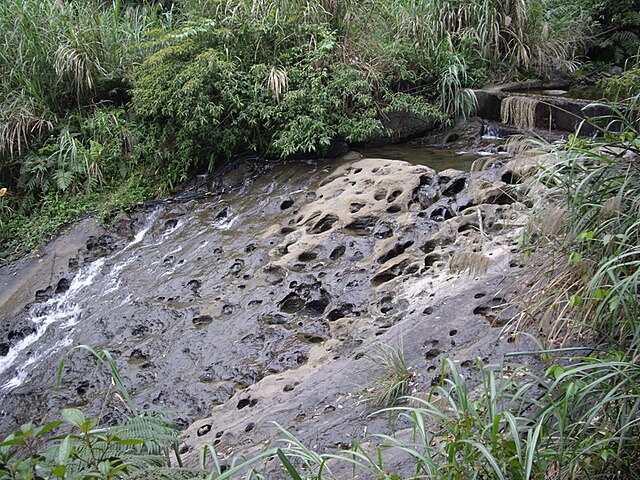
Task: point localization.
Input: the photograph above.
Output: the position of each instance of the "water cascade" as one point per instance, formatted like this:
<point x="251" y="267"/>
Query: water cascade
<point x="519" y="111"/>
<point x="262" y="302"/>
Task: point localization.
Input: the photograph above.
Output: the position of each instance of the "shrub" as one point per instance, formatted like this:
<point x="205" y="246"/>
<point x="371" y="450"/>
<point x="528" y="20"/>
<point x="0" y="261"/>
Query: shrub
<point x="218" y="88"/>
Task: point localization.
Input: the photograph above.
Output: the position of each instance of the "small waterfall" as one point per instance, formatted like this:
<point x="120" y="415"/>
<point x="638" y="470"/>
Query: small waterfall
<point x="491" y="132"/>
<point x="61" y="311"/>
<point x="519" y="111"/>
<point x="57" y="316"/>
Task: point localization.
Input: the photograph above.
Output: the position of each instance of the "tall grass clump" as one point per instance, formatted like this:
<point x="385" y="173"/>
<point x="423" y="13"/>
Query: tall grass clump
<point x="585" y="295"/>
<point x="66" y="136"/>
<point x="567" y="422"/>
<point x="60" y="60"/>
<point x="591" y="287"/>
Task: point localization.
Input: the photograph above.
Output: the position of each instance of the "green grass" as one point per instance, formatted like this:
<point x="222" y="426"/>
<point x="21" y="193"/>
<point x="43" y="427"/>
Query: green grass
<point x="22" y="234"/>
<point x="395" y="377"/>
<point x="213" y="78"/>
<point x="70" y="147"/>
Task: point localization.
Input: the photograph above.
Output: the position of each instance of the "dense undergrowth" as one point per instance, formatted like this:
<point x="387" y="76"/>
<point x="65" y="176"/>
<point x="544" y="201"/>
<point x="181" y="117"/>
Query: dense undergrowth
<point x="129" y="97"/>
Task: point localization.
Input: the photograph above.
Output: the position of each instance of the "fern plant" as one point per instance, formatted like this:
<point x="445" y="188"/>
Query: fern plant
<point x="78" y="447"/>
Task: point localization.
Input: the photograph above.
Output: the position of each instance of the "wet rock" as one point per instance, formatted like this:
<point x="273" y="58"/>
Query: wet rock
<point x="301" y="286"/>
<point x="202" y="321"/>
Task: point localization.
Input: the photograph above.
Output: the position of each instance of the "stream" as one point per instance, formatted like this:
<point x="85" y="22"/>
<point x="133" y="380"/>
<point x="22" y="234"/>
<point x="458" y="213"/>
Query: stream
<point x="191" y="302"/>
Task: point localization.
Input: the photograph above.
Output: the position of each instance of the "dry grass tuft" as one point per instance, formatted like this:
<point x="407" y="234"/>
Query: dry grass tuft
<point x="473" y="262"/>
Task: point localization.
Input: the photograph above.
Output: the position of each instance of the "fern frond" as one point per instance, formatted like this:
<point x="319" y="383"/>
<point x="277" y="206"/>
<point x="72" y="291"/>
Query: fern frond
<point x="169" y="474"/>
<point x="154" y="431"/>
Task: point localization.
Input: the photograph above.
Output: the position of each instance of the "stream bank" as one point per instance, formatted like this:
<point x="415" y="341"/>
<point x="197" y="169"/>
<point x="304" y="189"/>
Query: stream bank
<point x="268" y="303"/>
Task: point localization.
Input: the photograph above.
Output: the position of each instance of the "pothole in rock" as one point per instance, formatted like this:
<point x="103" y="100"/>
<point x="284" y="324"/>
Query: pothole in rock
<point x="315" y="308"/>
<point x="194" y="285"/>
<point x="393" y="195"/>
<point x="391" y="273"/>
<point x="292" y="303"/>
<point x="440" y="213"/>
<point x="344" y="310"/>
<point x="383" y="231"/>
<point x="324" y="224"/>
<point x="202" y="321"/>
<point x="288" y="203"/>
<point x="137" y="357"/>
<point x="170" y="224"/>
<point x="397" y="250"/>
<point x="247" y="402"/>
<point x="355" y="207"/>
<point x="337" y="252"/>
<point x="307" y="256"/>
<point x="362" y="225"/>
<point x="273" y="319"/>
<point x="310" y="338"/>
<point x="274" y="274"/>
<point x="496" y="311"/>
<point x="380" y="194"/>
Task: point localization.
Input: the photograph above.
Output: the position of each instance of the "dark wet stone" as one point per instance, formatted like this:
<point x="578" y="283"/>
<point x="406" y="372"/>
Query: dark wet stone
<point x="390" y="273"/>
<point x="273" y="319"/>
<point x="63" y="285"/>
<point x="383" y="231"/>
<point x="170" y="224"/>
<point x="20" y="334"/>
<point x="307" y="256"/>
<point x="337" y="252"/>
<point x="247" y="402"/>
<point x="44" y="295"/>
<point x="342" y="311"/>
<point x="398" y="249"/>
<point x="362" y="225"/>
<point x="4" y="349"/>
<point x="454" y="187"/>
<point x="202" y="321"/>
<point x="432" y="353"/>
<point x="355" y="207"/>
<point x="222" y="214"/>
<point x="440" y="213"/>
<point x="292" y="303"/>
<point x="288" y="203"/>
<point x="324" y="224"/>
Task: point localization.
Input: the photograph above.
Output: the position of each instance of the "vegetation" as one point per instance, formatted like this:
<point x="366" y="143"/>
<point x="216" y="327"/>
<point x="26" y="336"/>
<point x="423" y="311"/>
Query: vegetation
<point x="130" y="97"/>
<point x="78" y="448"/>
<point x="396" y="376"/>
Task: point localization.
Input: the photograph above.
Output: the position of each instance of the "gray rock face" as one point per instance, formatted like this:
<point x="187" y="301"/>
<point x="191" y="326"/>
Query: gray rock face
<point x="267" y="303"/>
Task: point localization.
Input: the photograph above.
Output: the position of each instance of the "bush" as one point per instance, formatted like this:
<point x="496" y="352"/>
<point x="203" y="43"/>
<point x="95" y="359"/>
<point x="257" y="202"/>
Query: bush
<point x="216" y="89"/>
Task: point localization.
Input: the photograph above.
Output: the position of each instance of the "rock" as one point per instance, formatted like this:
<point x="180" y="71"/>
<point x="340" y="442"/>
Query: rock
<point x="274" y="312"/>
<point x="403" y="125"/>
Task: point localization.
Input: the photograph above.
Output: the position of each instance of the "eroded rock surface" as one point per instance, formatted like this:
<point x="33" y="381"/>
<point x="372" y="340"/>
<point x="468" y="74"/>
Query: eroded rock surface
<point x="268" y="303"/>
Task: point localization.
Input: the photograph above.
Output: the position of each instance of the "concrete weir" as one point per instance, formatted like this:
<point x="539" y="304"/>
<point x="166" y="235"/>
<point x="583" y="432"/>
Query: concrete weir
<point x="536" y="105"/>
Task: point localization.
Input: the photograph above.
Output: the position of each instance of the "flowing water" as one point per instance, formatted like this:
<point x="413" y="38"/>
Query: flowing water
<point x="192" y="304"/>
<point x="437" y="158"/>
